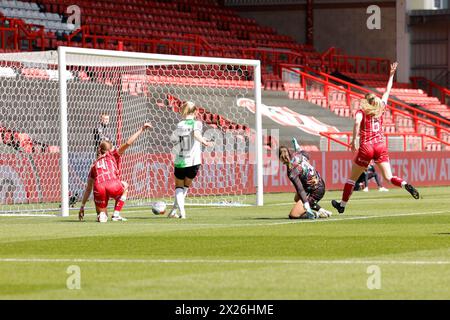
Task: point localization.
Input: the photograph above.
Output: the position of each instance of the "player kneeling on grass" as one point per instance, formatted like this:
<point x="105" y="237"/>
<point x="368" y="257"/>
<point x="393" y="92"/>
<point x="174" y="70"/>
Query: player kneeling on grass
<point x="104" y="178"/>
<point x="308" y="183"/>
<point x="188" y="155"/>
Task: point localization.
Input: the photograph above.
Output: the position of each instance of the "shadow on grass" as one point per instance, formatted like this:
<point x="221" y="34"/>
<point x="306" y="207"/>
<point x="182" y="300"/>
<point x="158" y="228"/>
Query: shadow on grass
<point x="152" y="217"/>
<point x="267" y="218"/>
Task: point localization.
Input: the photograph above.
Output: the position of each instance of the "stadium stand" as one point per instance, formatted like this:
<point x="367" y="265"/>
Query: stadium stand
<point x="30" y="13"/>
<point x="404" y="92"/>
<point x="402" y="118"/>
<point x="204" y="27"/>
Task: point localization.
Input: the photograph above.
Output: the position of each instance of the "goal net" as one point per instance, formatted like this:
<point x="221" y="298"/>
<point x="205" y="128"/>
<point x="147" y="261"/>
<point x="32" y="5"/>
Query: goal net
<point x="56" y="107"/>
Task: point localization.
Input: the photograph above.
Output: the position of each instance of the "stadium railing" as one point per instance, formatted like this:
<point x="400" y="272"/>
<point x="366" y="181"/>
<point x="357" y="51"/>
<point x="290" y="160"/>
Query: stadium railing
<point x="359" y="64"/>
<point x="432" y="89"/>
<point x="19" y="32"/>
<point x="274" y="54"/>
<point x="334" y="60"/>
<point x="423" y="146"/>
<point x="352" y="90"/>
<point x="141" y="45"/>
<point x="270" y="55"/>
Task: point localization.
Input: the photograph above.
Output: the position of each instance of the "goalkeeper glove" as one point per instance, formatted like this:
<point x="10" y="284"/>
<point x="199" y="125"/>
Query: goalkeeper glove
<point x="296" y="145"/>
<point x="309" y="213"/>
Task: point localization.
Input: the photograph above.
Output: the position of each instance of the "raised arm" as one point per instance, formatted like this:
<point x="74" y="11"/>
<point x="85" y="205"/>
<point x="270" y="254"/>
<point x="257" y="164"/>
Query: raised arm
<point x="87" y="193"/>
<point x="133" y="138"/>
<point x="356" y="126"/>
<point x="390" y="82"/>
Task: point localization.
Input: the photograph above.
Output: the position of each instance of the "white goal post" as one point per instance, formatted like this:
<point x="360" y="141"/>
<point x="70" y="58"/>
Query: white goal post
<point x="79" y="85"/>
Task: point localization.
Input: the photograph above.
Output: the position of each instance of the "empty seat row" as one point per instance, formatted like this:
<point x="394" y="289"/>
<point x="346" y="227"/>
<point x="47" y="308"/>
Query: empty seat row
<point x="52" y="26"/>
<point x="402" y="91"/>
<point x="50" y="21"/>
<point x="29" y="14"/>
<point x="169" y="24"/>
<point x="19" y="5"/>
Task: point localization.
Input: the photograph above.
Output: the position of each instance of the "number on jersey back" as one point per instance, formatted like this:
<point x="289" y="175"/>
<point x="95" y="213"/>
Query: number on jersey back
<point x="188" y="151"/>
<point x="106" y="168"/>
<point x="371" y="129"/>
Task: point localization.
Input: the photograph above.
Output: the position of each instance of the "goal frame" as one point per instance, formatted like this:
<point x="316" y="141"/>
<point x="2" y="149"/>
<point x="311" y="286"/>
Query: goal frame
<point x="63" y="105"/>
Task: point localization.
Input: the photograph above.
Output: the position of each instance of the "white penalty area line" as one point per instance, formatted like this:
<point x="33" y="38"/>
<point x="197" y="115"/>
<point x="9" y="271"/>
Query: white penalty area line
<point x="296" y="221"/>
<point x="133" y="210"/>
<point x="226" y="261"/>
<point x="382" y="216"/>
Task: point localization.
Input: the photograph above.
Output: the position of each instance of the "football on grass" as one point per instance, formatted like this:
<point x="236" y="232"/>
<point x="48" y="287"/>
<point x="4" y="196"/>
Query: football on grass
<point x="159" y="208"/>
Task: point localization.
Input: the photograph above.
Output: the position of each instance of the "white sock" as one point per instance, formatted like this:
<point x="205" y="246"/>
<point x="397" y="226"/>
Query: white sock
<point x="343" y="203"/>
<point x="175" y="202"/>
<point x="117" y="213"/>
<point x="404" y="183"/>
<point x="179" y="195"/>
<point x="186" y="189"/>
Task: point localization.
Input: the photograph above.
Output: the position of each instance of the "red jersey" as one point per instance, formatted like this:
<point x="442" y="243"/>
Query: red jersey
<point x="371" y="130"/>
<point x="106" y="168"/>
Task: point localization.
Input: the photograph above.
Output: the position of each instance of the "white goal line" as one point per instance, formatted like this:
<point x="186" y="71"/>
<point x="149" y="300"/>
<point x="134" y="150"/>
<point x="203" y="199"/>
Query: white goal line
<point x="226" y="261"/>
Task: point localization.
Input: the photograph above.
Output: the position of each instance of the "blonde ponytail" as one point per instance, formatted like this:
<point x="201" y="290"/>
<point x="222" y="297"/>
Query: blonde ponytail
<point x="188" y="108"/>
<point x="372" y="105"/>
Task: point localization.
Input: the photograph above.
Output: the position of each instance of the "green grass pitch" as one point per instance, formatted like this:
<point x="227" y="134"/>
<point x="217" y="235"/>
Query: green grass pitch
<point x="238" y="253"/>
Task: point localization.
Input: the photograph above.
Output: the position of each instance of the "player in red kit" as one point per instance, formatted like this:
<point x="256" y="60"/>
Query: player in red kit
<point x="104" y="179"/>
<point x="369" y="126"/>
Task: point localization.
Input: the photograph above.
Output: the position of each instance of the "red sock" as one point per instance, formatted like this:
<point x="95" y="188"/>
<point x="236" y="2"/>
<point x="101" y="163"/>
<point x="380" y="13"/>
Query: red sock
<point x="119" y="205"/>
<point x="348" y="190"/>
<point x="396" y="181"/>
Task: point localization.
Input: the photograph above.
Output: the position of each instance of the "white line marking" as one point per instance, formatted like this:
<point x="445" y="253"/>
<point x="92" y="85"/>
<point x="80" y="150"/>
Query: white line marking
<point x="28" y="215"/>
<point x="232" y="225"/>
<point x="161" y="261"/>
<point x="198" y="208"/>
<point x="341" y="218"/>
<point x="222" y="261"/>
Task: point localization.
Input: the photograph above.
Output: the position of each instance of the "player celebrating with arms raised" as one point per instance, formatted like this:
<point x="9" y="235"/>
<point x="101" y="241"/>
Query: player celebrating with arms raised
<point x="368" y="124"/>
<point x="188" y="155"/>
<point x="105" y="180"/>
<point x="309" y="185"/>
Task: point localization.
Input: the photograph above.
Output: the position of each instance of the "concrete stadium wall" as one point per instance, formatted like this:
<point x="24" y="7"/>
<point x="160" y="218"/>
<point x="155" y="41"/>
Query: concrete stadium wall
<point x="430" y="50"/>
<point x="341" y="24"/>
<point x="346" y="28"/>
<point x="286" y="22"/>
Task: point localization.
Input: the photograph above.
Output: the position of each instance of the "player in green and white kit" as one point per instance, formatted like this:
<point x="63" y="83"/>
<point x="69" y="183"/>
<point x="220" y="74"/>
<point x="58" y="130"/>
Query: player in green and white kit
<point x="188" y="155"/>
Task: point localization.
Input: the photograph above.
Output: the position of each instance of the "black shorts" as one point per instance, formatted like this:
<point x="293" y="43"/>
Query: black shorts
<point x="188" y="172"/>
<point x="317" y="194"/>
